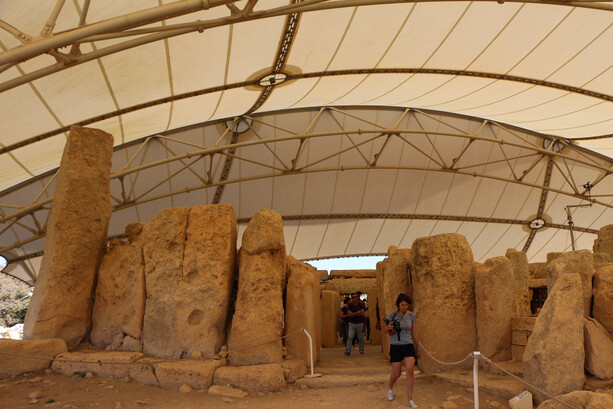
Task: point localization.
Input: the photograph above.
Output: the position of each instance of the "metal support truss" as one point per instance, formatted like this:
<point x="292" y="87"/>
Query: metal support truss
<point x="287" y="148"/>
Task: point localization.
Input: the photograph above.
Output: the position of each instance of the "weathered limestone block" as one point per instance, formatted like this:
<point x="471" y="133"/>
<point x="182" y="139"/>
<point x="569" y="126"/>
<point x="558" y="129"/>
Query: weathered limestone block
<point x="581" y="262"/>
<point x="189" y="267"/>
<point x="16" y="363"/>
<point x="133" y="231"/>
<point x="143" y="370"/>
<point x="209" y="267"/>
<point x="255" y="378"/>
<point x="301" y="310"/>
<point x="555" y="356"/>
<point x="349" y="285"/>
<point x="601" y="260"/>
<point x="294" y="369"/>
<point x="604" y="242"/>
<point x="538" y="270"/>
<point x="119" y="303"/>
<point x="196" y="374"/>
<point x="392" y="279"/>
<point x="353" y="274"/>
<point x="330" y="316"/>
<point x="264" y="232"/>
<point x="259" y="313"/>
<point x="75" y="240"/>
<point x="580" y="399"/>
<point x="598" y="349"/>
<point x="495" y="307"/>
<point x="104" y="364"/>
<point x="443" y="286"/>
<point x="164" y="239"/>
<point x="323" y="275"/>
<point x="603" y="297"/>
<point x="521" y="273"/>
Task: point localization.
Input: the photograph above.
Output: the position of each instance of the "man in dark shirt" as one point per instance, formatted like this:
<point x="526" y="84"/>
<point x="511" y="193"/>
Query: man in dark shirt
<point x="355" y="316"/>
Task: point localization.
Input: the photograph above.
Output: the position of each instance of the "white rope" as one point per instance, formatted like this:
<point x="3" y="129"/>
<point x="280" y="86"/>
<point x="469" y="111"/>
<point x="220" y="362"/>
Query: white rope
<point x="266" y="342"/>
<point x="421" y="345"/>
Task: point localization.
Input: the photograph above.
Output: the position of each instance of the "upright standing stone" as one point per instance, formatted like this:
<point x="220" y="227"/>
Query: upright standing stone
<point x="257" y="324"/>
<point x="190" y="257"/>
<point x="375" y="334"/>
<point x="495" y="308"/>
<point x="330" y="317"/>
<point x="119" y="304"/>
<point x="581" y="262"/>
<point x="603" y="297"/>
<point x="76" y="239"/>
<point x="301" y="310"/>
<point x="554" y="356"/>
<point x="443" y="286"/>
<point x="521" y="274"/>
<point x="393" y="278"/>
<point x="604" y="242"/>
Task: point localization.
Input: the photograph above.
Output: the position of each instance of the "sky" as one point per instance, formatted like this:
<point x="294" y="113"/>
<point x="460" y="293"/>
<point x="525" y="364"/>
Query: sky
<point x="347" y="263"/>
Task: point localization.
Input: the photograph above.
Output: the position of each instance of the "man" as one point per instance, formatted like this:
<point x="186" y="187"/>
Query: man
<point x="355" y="316"/>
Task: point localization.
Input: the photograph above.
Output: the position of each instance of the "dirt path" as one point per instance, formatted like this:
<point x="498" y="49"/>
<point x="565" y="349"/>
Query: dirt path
<point x="369" y="370"/>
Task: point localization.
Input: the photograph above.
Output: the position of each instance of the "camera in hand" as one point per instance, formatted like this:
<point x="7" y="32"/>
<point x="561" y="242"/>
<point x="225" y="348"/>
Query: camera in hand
<point x="395" y="324"/>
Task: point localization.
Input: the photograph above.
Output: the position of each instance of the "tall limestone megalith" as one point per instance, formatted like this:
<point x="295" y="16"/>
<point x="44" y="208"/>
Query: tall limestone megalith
<point x="581" y="262"/>
<point x="330" y="317"/>
<point x="119" y="303"/>
<point x="521" y="274"/>
<point x="75" y="241"/>
<point x="302" y="310"/>
<point x="257" y="324"/>
<point x="393" y="278"/>
<point x="495" y="307"/>
<point x="554" y="357"/>
<point x="603" y="297"/>
<point x="604" y="242"/>
<point x="443" y="287"/>
<point x="190" y="256"/>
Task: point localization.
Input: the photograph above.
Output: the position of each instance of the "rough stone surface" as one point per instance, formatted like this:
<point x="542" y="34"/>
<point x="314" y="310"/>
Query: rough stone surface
<point x="75" y="241"/>
<point x="196" y="374"/>
<point x="375" y="334"/>
<point x="538" y="270"/>
<point x="349" y="285"/>
<point x="104" y="364"/>
<point x="353" y="274"/>
<point x="264" y="232"/>
<point x="603" y="297"/>
<point x="259" y="313"/>
<point x="581" y="262"/>
<point x="330" y="313"/>
<point x="495" y="307"/>
<point x="14" y="365"/>
<point x="601" y="260"/>
<point x="521" y="275"/>
<point x="294" y="369"/>
<point x="604" y="242"/>
<point x="580" y="399"/>
<point x="255" y="378"/>
<point x="323" y="275"/>
<point x="119" y="303"/>
<point x="227" y="391"/>
<point x="302" y="310"/>
<point x="554" y="357"/>
<point x="598" y="349"/>
<point x="143" y="370"/>
<point x="443" y="285"/>
<point x="189" y="268"/>
<point x="392" y="279"/>
<point x="133" y="231"/>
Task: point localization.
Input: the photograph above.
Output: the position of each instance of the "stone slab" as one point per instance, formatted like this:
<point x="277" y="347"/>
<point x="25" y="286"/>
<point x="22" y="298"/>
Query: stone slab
<point x="104" y="364"/>
<point x="14" y="355"/>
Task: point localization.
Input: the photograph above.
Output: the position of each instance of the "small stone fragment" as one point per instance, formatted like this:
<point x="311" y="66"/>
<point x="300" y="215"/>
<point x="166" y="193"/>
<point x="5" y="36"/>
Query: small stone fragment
<point x="185" y="388"/>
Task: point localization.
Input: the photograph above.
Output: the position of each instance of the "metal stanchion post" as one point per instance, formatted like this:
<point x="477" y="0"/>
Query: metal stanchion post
<point x="312" y="375"/>
<point x="476" y="356"/>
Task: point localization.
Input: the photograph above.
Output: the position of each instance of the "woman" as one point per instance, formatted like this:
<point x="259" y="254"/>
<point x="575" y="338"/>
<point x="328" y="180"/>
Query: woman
<point x="404" y="345"/>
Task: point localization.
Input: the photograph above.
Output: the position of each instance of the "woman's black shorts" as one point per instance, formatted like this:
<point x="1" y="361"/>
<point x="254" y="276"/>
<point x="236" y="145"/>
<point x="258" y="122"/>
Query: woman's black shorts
<point x="399" y="352"/>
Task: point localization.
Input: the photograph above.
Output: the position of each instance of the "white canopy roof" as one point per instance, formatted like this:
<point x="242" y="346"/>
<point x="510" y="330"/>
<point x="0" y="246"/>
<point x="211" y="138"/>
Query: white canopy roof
<point x="364" y="123"/>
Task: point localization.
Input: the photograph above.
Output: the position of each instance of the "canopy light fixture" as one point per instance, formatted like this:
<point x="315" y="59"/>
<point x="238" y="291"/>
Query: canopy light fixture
<point x="3" y="263"/>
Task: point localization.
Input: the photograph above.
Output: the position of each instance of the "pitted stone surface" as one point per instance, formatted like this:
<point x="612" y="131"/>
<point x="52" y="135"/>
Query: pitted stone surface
<point x="603" y="297"/>
<point x="443" y="287"/>
<point x="598" y="349"/>
<point x="264" y="232"/>
<point x="196" y="374"/>
<point x="521" y="275"/>
<point x="494" y="298"/>
<point x="330" y="313"/>
<point x="554" y="357"/>
<point x="581" y="262"/>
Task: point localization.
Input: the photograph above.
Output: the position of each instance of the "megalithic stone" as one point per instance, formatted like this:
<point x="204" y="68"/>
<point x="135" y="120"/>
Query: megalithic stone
<point x="75" y="241"/>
